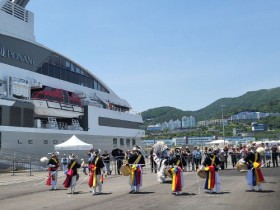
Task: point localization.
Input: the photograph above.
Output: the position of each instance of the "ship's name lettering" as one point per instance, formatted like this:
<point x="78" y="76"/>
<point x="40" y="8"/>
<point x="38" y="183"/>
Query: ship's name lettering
<point x="6" y="53"/>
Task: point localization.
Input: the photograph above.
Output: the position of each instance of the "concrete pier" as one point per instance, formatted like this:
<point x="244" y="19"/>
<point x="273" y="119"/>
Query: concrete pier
<point x="23" y="191"/>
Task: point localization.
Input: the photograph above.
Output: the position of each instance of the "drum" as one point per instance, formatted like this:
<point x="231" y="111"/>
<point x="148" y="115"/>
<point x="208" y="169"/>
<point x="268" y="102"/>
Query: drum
<point x="260" y="150"/>
<point x="241" y="167"/>
<point x="125" y="170"/>
<point x="201" y="173"/>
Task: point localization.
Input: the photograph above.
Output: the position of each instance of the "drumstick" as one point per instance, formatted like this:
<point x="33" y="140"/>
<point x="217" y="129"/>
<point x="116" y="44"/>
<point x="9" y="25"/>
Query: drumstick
<point x="137" y="164"/>
<point x="77" y="186"/>
<point x="253" y="167"/>
<point x="47" y="177"/>
<point x="197" y="181"/>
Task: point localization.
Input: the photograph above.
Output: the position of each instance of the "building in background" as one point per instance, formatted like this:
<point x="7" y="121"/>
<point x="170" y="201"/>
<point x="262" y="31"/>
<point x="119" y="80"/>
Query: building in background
<point x="188" y="122"/>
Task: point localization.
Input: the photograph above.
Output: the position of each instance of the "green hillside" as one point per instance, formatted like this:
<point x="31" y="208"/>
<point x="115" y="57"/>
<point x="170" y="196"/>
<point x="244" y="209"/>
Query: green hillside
<point x="267" y="100"/>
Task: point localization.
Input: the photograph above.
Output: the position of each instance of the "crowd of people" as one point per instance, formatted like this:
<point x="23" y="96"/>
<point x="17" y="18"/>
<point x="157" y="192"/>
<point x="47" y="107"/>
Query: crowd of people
<point x="229" y="155"/>
<point x="165" y="163"/>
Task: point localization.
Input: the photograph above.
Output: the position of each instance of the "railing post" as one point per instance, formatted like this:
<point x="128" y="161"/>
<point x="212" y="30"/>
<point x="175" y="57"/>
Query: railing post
<point x="14" y="164"/>
<point x="13" y="168"/>
<point x="115" y="164"/>
<point x="30" y="167"/>
<point x="28" y="158"/>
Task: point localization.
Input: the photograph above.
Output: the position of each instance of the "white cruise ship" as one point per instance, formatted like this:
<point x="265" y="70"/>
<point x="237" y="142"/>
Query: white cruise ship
<point x="45" y="97"/>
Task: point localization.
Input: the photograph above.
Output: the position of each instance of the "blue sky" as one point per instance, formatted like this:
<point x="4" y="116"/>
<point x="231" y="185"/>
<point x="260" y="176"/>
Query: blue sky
<point x="180" y="53"/>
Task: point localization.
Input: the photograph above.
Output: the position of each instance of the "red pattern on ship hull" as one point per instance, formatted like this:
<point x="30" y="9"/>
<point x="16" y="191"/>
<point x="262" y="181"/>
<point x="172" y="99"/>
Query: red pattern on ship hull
<point x="57" y="95"/>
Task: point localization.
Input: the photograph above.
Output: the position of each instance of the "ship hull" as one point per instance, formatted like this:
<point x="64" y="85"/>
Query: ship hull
<point x="40" y="142"/>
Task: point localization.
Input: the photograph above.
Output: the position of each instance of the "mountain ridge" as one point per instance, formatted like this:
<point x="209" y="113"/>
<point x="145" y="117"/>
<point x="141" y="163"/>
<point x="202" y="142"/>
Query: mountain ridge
<point x="263" y="100"/>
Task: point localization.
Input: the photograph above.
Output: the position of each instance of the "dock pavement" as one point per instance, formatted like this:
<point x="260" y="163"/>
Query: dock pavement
<point x="29" y="192"/>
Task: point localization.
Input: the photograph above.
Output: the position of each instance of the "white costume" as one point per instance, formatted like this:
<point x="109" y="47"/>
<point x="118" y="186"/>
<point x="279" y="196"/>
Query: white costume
<point x="161" y="156"/>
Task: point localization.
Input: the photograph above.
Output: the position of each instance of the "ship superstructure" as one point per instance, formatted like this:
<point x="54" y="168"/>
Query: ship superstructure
<point x="45" y="97"/>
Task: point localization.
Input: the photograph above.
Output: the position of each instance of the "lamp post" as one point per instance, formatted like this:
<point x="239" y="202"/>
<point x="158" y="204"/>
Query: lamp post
<point x="223" y="124"/>
<point x="153" y="131"/>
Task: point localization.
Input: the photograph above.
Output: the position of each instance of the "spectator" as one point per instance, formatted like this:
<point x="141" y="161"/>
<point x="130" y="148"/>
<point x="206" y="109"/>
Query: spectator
<point x="278" y="151"/>
<point x="106" y="159"/>
<point x="238" y="154"/>
<point x="274" y="156"/>
<point x="267" y="154"/>
<point x="84" y="165"/>
<point x="64" y="161"/>
<point x="233" y="155"/>
<point x="205" y="152"/>
<point x="153" y="163"/>
<point x="118" y="155"/>
<point x="262" y="155"/>
<point x="222" y="159"/>
<point x="128" y="153"/>
<point x="197" y="157"/>
<point x="188" y="158"/>
<point x="226" y="156"/>
<point x="243" y="151"/>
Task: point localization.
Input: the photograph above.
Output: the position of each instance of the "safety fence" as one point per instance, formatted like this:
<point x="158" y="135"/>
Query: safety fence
<point x="17" y="162"/>
<point x="14" y="162"/>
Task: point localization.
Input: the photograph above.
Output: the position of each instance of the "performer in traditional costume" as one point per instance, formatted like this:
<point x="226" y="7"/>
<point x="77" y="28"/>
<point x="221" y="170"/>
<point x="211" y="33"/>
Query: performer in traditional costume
<point x="97" y="171"/>
<point x="53" y="166"/>
<point x="136" y="161"/>
<point x="161" y="158"/>
<point x="72" y="175"/>
<point x="211" y="166"/>
<point x="254" y="174"/>
<point x="178" y="163"/>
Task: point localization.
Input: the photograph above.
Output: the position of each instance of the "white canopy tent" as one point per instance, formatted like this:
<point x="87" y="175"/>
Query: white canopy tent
<point x="220" y="143"/>
<point x="73" y="144"/>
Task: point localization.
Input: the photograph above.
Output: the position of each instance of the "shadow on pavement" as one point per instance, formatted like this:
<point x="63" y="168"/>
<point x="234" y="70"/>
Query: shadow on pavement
<point x="167" y="182"/>
<point x="137" y="193"/>
<point x="263" y="191"/>
<point x="186" y="194"/>
<point x="75" y="193"/>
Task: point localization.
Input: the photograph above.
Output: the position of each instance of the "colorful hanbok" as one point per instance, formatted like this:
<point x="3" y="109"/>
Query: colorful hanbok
<point x="96" y="178"/>
<point x="53" y="165"/>
<point x="177" y="179"/>
<point x="177" y="171"/>
<point x="136" y="162"/>
<point x="210" y="165"/>
<point x="254" y="174"/>
<point x="71" y="175"/>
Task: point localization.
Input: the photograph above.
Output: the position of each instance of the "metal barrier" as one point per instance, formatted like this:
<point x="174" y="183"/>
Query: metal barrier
<point x="17" y="162"/>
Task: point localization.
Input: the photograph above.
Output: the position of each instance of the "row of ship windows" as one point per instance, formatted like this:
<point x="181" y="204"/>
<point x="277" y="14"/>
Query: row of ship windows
<point x="128" y="142"/>
<point x="62" y="62"/>
<point x="70" y="76"/>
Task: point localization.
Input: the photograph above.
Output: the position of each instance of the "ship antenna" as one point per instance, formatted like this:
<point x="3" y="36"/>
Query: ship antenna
<point x="21" y="3"/>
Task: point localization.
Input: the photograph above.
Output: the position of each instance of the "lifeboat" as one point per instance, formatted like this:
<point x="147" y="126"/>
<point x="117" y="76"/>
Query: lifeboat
<point x="56" y="103"/>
